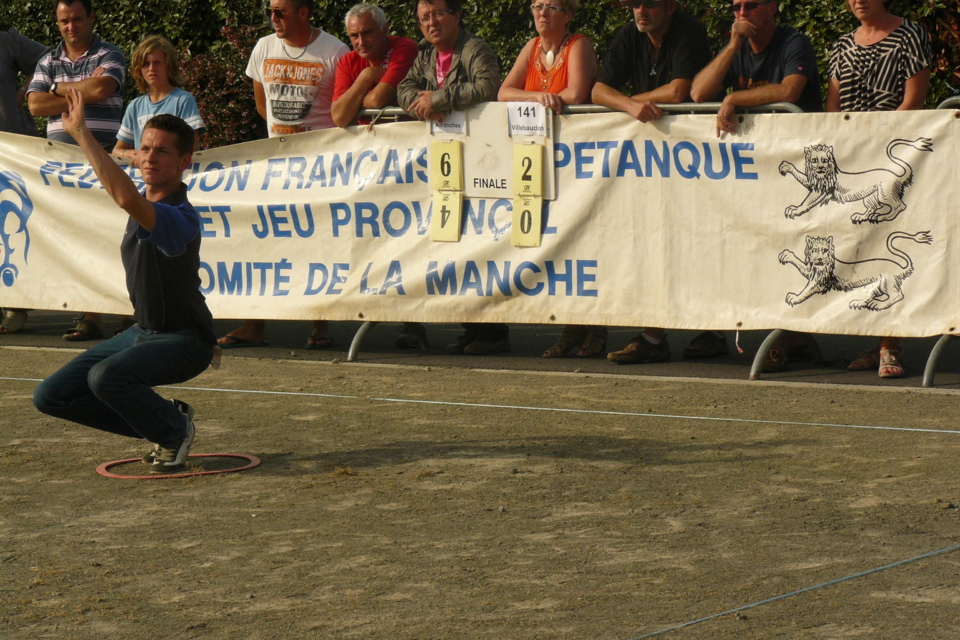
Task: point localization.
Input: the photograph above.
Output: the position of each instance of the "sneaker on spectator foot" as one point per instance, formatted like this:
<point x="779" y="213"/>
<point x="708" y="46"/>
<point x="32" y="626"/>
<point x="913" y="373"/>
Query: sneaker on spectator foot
<point x="706" y="345"/>
<point x="171" y="460"/>
<point x="640" y="351"/>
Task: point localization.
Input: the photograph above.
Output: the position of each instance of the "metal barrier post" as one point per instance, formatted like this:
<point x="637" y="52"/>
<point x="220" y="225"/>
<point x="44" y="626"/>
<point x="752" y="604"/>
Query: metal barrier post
<point x="930" y="370"/>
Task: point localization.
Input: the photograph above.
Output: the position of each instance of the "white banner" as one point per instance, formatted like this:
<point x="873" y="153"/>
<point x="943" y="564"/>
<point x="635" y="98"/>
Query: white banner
<point x="826" y="223"/>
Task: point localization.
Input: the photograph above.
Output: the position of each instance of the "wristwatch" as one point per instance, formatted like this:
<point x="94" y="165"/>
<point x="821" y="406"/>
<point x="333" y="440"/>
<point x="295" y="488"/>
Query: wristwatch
<point x="53" y="90"/>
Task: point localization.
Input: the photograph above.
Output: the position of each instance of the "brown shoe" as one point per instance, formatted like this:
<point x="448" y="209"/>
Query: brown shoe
<point x="640" y="351"/>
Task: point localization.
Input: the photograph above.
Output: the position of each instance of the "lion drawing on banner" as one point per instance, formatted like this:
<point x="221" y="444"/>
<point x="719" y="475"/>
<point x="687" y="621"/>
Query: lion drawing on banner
<point x="880" y="190"/>
<point x="882" y="278"/>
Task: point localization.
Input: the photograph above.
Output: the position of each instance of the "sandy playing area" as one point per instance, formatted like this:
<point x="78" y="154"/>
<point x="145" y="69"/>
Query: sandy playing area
<point x="427" y="502"/>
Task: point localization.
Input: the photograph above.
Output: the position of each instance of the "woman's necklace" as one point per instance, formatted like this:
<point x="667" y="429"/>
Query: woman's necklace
<point x="549" y="55"/>
<point x="283" y="43"/>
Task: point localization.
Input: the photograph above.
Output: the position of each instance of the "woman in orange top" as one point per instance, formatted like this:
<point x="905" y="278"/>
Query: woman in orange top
<point x="554" y="69"/>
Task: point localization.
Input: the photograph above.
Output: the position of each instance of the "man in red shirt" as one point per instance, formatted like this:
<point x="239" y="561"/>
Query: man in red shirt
<point x="368" y="76"/>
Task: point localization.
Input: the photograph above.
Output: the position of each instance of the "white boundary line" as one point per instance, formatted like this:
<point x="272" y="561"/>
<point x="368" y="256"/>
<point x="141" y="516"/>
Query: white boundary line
<point x="481" y="405"/>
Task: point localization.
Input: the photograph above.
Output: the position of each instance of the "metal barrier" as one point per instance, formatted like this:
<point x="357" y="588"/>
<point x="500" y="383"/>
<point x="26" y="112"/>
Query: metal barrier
<point x="394" y="113"/>
<point x="930" y="370"/>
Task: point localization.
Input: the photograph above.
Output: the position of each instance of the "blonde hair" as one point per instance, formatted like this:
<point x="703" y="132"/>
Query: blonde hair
<point x="145" y="48"/>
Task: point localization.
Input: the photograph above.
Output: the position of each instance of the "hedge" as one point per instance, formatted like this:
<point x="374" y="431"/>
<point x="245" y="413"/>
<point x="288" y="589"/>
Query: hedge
<point x="216" y="36"/>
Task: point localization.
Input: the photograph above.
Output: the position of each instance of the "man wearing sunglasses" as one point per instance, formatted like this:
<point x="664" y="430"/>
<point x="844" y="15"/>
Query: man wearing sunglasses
<point x="656" y="57"/>
<point x="293" y="70"/>
<point x="763" y="63"/>
<point x="293" y="76"/>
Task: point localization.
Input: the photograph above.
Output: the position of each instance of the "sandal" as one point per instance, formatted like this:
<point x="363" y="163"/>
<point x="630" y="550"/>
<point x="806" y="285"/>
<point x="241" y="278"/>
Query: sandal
<point x="869" y="359"/>
<point x="13" y="321"/>
<point x="573" y="335"/>
<point x="594" y="344"/>
<point x="318" y="342"/>
<point x="85" y="330"/>
<point x="890" y="366"/>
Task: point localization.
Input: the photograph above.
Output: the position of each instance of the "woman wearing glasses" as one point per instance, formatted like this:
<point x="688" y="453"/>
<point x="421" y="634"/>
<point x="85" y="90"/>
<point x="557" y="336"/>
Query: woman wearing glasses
<point x="884" y="65"/>
<point x="557" y="68"/>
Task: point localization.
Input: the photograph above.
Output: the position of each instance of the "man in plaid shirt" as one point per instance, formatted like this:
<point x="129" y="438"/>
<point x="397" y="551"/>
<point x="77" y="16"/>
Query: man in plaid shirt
<point x="84" y="62"/>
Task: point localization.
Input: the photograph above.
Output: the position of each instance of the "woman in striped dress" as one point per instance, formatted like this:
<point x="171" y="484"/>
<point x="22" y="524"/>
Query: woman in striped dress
<point x="884" y="65"/>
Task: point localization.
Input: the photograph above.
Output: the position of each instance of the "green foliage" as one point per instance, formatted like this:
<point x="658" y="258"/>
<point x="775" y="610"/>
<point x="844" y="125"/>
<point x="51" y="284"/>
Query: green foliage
<point x="224" y="94"/>
<point x="195" y="26"/>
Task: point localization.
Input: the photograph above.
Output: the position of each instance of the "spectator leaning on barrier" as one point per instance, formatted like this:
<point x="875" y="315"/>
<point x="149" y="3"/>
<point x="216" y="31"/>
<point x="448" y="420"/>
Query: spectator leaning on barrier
<point x="656" y="57"/>
<point x="96" y="69"/>
<point x="554" y="69"/>
<point x="764" y="62"/>
<point x="18" y="55"/>
<point x="884" y="65"/>
<point x="368" y="76"/>
<point x="110" y="386"/>
<point x="454" y="70"/>
<point x="293" y="76"/>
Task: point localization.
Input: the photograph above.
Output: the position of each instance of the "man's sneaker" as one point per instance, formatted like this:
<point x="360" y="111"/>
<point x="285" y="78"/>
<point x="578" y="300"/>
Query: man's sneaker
<point x="706" y="345"/>
<point x="185" y="409"/>
<point x="640" y="351"/>
<point x="172" y="460"/>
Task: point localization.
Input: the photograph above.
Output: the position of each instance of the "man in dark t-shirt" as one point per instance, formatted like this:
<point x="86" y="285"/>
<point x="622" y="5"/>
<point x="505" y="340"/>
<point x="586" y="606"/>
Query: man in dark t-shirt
<point x="655" y="57"/>
<point x="110" y="386"/>
<point x="763" y="63"/>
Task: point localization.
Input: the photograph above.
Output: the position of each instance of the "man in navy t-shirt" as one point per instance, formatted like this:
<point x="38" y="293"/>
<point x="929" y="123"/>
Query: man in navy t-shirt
<point x="110" y="386"/>
<point x="763" y="63"/>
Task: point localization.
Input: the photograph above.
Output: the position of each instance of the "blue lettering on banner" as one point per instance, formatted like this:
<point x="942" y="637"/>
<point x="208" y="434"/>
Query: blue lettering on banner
<point x="527" y="278"/>
<point x="240" y="278"/>
<point x="393" y="280"/>
<point x="339" y="170"/>
<point x="320" y="278"/>
<point x="274" y="222"/>
<point x="207" y="221"/>
<point x="690" y="160"/>
<point x="368" y="220"/>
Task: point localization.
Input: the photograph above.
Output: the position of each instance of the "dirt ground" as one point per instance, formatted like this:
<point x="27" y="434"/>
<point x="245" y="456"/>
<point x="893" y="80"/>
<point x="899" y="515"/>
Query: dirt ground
<point x="442" y="503"/>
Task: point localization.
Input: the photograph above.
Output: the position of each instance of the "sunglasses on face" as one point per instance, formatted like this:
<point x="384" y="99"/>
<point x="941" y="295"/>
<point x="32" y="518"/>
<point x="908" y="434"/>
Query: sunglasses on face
<point x="274" y="13"/>
<point x="748" y="6"/>
<point x="636" y="4"/>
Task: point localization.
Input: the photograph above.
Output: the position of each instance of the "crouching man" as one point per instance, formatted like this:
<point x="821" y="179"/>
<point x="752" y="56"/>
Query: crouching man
<point x="109" y="387"/>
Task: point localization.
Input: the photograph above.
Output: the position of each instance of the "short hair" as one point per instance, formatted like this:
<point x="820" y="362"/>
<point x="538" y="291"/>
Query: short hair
<point x="452" y="5"/>
<point x="87" y="4"/>
<point x="363" y="9"/>
<point x="183" y="135"/>
<point x="300" y="4"/>
<point x="145" y="48"/>
<point x="570" y="5"/>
